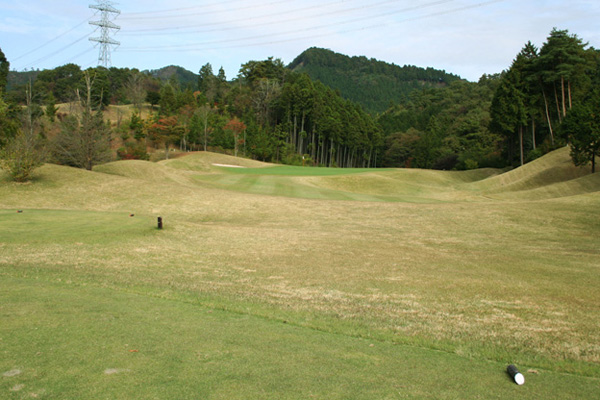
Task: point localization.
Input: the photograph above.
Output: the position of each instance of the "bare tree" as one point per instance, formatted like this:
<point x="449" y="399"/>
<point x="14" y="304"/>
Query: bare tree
<point x="135" y="90"/>
<point x="204" y="114"/>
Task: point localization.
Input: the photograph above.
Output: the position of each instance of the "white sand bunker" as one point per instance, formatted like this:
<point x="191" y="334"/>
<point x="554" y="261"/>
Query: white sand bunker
<point x="111" y="371"/>
<point x="13" y="372"/>
<point x="228" y="166"/>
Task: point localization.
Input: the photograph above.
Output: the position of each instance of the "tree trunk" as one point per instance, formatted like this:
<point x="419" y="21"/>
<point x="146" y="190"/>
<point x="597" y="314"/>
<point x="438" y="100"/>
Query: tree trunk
<point x="295" y="135"/>
<point x="205" y="133"/>
<point x="235" y="143"/>
<point x="533" y="131"/>
<point x="557" y="105"/>
<point x="548" y="116"/>
<point x="570" y="98"/>
<point x="564" y="104"/>
<point x="312" y="150"/>
<point x="320" y="152"/>
<point x="301" y="149"/>
<point x="521" y="143"/>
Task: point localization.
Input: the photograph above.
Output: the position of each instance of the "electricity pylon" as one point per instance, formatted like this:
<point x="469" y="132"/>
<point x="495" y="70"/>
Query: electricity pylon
<point x="106" y="11"/>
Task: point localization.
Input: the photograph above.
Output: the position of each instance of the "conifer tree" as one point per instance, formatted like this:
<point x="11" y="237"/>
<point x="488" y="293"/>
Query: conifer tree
<point x="4" y="67"/>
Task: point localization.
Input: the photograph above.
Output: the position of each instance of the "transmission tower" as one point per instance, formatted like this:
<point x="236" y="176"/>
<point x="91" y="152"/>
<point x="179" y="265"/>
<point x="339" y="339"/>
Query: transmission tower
<point x="107" y="12"/>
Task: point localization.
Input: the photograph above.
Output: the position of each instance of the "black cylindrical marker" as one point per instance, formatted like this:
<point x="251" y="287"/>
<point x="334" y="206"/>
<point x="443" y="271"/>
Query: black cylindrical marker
<point x="515" y="374"/>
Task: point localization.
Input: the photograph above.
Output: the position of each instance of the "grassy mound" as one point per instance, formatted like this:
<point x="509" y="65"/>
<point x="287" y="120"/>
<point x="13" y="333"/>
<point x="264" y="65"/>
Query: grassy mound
<point x="206" y="161"/>
<point x="552" y="175"/>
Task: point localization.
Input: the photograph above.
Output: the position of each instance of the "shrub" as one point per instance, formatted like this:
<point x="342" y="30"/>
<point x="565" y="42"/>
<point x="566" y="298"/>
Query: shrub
<point x="133" y="151"/>
<point x="21" y="156"/>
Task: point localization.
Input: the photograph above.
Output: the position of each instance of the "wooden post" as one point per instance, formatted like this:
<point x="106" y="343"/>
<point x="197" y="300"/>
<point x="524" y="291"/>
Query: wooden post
<point x="160" y="223"/>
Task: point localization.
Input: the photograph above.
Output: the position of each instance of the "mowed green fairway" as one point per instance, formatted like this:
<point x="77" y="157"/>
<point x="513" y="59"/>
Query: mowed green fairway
<point x="281" y="282"/>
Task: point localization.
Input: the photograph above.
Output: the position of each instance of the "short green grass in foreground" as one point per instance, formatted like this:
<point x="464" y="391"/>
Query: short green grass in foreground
<point x="65" y="341"/>
<point x="60" y="226"/>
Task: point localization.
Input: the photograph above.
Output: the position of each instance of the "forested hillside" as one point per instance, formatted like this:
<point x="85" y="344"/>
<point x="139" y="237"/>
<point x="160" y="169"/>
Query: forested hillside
<point x="267" y="112"/>
<point x="548" y="98"/>
<point x="371" y="83"/>
<point x="444" y="128"/>
<point x="175" y="73"/>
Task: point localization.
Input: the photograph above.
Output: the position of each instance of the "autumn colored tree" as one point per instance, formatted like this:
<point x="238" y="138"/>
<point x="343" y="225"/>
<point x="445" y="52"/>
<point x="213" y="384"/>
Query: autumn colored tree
<point x="236" y="127"/>
<point x="165" y="130"/>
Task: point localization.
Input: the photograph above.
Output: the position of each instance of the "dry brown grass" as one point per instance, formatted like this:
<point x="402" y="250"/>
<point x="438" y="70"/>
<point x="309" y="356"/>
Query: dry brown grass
<point x="483" y="278"/>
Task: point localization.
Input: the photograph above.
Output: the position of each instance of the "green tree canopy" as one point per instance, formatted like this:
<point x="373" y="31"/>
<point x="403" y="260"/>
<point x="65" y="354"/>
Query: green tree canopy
<point x="252" y="71"/>
<point x="582" y="128"/>
<point x="4" y="67"/>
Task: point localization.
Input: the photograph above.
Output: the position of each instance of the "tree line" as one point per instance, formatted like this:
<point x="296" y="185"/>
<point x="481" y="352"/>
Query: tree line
<point x="543" y="97"/>
<point x="267" y="112"/>
<point x="546" y="99"/>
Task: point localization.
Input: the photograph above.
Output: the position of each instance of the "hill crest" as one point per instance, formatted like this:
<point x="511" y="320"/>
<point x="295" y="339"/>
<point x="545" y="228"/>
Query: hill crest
<point x="370" y="82"/>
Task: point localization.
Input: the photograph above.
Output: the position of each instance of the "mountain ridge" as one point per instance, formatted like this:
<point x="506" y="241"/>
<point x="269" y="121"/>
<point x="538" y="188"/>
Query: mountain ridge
<point x="372" y="83"/>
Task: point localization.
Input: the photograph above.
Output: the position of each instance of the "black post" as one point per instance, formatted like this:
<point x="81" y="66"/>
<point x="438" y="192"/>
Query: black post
<point x="160" y="224"/>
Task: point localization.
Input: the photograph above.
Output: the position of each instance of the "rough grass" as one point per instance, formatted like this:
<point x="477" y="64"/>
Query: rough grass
<point x="437" y="260"/>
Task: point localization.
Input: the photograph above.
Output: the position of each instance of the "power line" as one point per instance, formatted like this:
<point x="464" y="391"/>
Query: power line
<point x="258" y="39"/>
<point x="193" y="46"/>
<point x="220" y="3"/>
<point x="262" y="43"/>
<point x="83" y="53"/>
<point x="276" y="14"/>
<point x="54" y="53"/>
<point x="205" y="12"/>
<point x="51" y="40"/>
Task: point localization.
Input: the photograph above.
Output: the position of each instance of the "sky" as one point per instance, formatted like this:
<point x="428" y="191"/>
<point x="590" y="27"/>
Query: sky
<point x="468" y="38"/>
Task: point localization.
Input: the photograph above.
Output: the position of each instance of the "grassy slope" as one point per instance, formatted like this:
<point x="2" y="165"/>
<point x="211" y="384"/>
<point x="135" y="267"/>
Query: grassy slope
<point x="480" y="273"/>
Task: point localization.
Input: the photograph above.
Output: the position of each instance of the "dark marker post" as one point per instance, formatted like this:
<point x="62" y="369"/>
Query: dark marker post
<point x="160" y="223"/>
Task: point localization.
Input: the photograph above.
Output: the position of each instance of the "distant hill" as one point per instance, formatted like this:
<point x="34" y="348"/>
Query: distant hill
<point x="372" y="83"/>
<point x="183" y="76"/>
<point x="17" y="79"/>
